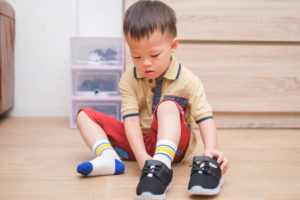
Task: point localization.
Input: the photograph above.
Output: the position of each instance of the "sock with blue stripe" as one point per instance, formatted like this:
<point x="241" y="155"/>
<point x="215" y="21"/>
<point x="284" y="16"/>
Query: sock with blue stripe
<point x="107" y="161"/>
<point x="165" y="152"/>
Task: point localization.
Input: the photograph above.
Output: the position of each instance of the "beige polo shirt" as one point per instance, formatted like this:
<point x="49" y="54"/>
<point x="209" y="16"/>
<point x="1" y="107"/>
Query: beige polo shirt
<point x="140" y="95"/>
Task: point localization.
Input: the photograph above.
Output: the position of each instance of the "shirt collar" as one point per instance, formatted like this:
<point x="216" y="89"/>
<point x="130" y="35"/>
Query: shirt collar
<point x="172" y="72"/>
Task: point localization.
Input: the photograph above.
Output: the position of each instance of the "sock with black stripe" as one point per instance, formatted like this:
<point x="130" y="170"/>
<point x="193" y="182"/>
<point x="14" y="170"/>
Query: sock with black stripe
<point x="107" y="161"/>
<point x="165" y="152"/>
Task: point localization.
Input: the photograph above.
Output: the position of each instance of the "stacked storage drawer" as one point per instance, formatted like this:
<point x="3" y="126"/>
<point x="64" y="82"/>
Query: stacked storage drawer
<point x="96" y="68"/>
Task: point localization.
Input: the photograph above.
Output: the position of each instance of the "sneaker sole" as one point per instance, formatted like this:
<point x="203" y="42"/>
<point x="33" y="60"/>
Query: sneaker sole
<point x="198" y="190"/>
<point x="149" y="195"/>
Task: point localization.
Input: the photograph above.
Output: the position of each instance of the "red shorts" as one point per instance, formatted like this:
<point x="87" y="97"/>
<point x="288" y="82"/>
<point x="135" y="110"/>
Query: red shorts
<point x="115" y="132"/>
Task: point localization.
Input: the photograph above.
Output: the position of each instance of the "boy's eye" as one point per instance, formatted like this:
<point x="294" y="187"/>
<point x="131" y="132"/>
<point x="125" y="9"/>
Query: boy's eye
<point x="136" y="57"/>
<point x="153" y="56"/>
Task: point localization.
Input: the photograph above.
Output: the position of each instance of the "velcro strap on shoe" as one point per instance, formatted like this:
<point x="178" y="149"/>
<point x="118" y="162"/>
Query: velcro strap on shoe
<point x="204" y="159"/>
<point x="161" y="171"/>
<point x="148" y="163"/>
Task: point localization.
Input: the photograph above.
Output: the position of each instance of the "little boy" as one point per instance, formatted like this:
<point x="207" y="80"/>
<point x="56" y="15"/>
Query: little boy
<point x="160" y="101"/>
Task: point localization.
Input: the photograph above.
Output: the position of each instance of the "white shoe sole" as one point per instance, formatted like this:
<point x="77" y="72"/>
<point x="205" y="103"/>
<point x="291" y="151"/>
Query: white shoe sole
<point x="149" y="195"/>
<point x="198" y="190"/>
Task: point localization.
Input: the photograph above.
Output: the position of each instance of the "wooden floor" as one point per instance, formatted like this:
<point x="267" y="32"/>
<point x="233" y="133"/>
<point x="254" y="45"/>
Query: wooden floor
<point x="38" y="159"/>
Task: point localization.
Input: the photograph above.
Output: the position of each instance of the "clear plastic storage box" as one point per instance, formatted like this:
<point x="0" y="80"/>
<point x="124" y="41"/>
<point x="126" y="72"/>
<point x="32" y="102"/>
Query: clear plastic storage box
<point x="96" y="66"/>
<point x="109" y="107"/>
<point x="96" y="82"/>
<point x="97" y="51"/>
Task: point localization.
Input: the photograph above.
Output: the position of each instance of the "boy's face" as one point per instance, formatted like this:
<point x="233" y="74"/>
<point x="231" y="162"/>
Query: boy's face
<point x="151" y="56"/>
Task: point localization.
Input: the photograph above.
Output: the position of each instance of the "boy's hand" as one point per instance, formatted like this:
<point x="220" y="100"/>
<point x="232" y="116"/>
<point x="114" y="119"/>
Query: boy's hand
<point x="222" y="160"/>
<point x="141" y="160"/>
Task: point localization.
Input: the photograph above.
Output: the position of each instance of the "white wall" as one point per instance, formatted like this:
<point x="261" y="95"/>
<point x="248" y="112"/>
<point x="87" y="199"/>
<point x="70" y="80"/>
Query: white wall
<point x="43" y="29"/>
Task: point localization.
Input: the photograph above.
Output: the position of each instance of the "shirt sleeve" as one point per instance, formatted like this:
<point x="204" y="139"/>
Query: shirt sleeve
<point x="127" y="87"/>
<point x="200" y="108"/>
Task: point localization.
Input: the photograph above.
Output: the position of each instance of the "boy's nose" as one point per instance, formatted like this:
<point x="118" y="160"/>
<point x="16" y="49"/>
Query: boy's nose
<point x="147" y="63"/>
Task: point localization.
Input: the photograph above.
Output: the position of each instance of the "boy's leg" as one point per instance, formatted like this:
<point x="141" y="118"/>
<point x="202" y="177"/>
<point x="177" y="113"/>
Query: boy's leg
<point x="89" y="130"/>
<point x="170" y="129"/>
<point x="168" y="133"/>
<point x="170" y="125"/>
<point x="107" y="160"/>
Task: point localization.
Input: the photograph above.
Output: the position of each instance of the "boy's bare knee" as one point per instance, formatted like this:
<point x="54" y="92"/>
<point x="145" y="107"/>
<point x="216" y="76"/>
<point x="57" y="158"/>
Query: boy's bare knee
<point x="81" y="116"/>
<point x="167" y="107"/>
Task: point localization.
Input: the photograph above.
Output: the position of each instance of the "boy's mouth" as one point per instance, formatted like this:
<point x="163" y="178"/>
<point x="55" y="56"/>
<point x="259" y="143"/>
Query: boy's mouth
<point x="149" y="72"/>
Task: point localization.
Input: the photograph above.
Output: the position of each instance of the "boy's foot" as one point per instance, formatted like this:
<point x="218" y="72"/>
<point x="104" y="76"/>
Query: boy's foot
<point x="155" y="180"/>
<point x="103" y="165"/>
<point x="107" y="161"/>
<point x="206" y="176"/>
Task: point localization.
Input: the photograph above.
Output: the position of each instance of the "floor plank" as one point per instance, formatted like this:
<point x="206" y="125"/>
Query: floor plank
<point x="38" y="159"/>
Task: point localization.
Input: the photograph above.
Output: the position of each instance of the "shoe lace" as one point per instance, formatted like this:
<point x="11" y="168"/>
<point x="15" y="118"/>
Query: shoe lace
<point x="151" y="170"/>
<point x="204" y="168"/>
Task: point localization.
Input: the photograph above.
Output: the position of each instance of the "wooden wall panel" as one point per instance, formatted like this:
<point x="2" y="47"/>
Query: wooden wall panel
<point x="257" y="120"/>
<point x="247" y="78"/>
<point x="236" y="20"/>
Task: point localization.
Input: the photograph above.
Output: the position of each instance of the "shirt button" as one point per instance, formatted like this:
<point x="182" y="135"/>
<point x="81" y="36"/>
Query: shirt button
<point x="150" y="80"/>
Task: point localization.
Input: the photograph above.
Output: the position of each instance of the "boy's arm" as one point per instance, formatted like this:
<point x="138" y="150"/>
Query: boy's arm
<point x="208" y="133"/>
<point x="135" y="138"/>
<point x="128" y="85"/>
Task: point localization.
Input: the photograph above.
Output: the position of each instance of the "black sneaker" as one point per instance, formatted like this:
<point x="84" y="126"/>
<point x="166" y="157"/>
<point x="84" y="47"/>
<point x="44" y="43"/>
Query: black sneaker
<point x="206" y="176"/>
<point x="155" y="180"/>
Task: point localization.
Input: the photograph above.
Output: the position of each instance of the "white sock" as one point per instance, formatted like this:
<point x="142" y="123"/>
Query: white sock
<point x="107" y="161"/>
<point x="165" y="152"/>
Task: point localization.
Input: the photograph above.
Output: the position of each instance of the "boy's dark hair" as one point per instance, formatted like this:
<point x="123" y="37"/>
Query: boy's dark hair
<point x="144" y="17"/>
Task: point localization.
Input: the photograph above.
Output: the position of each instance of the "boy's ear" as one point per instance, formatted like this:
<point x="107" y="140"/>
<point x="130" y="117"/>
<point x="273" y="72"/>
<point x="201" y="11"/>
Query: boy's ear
<point x="174" y="44"/>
